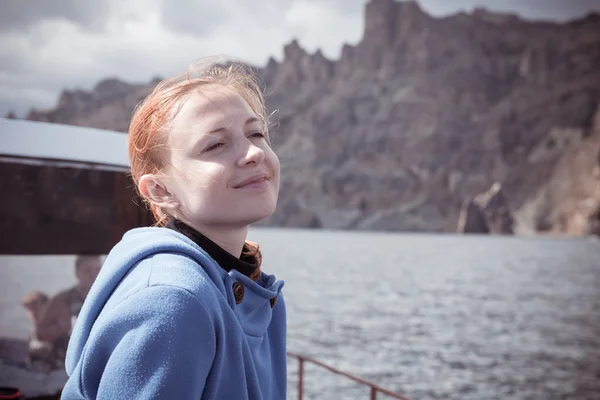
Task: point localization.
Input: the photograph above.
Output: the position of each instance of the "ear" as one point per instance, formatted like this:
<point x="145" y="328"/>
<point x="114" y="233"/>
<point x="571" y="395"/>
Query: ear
<point x="154" y="189"/>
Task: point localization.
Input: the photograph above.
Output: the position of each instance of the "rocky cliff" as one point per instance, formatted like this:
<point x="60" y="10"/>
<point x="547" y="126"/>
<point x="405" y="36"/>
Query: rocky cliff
<point x="487" y="213"/>
<point x="420" y="115"/>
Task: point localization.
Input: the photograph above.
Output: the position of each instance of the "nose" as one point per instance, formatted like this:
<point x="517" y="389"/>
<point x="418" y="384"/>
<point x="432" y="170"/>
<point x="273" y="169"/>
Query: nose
<point x="251" y="155"/>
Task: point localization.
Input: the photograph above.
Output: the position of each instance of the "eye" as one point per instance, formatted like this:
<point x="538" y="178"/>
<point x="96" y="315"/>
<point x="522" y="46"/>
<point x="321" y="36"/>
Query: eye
<point x="257" y="134"/>
<point x="213" y="147"/>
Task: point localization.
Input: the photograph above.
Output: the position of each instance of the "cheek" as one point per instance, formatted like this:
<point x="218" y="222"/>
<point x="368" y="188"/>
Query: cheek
<point x="276" y="169"/>
<point x="208" y="176"/>
<point x="200" y="183"/>
<point x="197" y="175"/>
<point x="272" y="160"/>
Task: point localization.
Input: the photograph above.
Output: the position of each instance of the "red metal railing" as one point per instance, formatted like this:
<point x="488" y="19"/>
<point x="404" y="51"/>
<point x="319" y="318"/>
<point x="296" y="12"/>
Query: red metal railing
<point x="374" y="388"/>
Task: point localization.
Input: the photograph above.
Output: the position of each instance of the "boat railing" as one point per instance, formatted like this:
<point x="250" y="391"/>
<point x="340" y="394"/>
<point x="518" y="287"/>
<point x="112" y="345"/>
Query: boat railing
<point x="374" y="389"/>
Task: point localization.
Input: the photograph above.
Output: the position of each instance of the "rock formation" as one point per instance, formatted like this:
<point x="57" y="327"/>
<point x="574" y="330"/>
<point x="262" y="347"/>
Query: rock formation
<point x="471" y="219"/>
<point x="487" y="213"/>
<point x="421" y="114"/>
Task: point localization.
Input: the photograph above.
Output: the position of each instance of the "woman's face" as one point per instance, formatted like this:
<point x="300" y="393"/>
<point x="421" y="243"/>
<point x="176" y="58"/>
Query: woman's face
<point x="221" y="170"/>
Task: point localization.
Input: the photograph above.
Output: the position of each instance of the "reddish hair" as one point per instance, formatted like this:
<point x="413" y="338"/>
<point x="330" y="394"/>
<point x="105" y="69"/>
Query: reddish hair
<point x="149" y="127"/>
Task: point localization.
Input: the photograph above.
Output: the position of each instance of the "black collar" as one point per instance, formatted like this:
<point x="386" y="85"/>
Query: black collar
<point x="246" y="265"/>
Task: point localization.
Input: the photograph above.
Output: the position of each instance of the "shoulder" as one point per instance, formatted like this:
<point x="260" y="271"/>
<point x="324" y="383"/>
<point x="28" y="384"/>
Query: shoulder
<point x="169" y="277"/>
<point x="66" y="294"/>
<point x="61" y="299"/>
<point x="160" y="311"/>
<point x="166" y="305"/>
<point x="180" y="272"/>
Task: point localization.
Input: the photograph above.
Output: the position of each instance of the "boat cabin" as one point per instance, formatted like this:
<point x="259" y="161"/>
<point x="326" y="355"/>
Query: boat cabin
<point x="66" y="189"/>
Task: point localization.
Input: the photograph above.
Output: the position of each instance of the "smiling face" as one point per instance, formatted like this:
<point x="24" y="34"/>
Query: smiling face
<point x="220" y="169"/>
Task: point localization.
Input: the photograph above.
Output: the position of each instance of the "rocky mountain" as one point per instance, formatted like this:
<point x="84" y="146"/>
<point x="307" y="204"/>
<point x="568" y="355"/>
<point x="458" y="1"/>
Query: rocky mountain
<point x="421" y="115"/>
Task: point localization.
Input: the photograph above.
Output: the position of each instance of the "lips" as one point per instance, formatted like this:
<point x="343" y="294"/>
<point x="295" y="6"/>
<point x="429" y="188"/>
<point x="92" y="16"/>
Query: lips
<point x="252" y="180"/>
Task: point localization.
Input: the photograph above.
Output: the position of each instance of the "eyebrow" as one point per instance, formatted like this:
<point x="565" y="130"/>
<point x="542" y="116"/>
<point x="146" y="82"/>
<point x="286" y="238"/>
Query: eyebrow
<point x="248" y="121"/>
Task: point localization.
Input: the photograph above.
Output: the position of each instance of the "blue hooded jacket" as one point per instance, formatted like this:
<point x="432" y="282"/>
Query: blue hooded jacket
<point x="161" y="322"/>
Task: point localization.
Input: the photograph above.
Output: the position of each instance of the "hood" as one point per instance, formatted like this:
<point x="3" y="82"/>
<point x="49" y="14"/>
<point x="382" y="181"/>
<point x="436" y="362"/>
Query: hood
<point x="135" y="245"/>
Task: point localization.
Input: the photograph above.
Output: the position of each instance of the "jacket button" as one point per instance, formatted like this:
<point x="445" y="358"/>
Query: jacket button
<point x="273" y="302"/>
<point x="238" y="292"/>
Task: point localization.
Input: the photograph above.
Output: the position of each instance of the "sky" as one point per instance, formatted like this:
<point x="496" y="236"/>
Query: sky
<point x="47" y="46"/>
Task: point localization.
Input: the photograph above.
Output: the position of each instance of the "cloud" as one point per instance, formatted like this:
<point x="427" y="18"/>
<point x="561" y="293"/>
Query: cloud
<point x="50" y="45"/>
<point x="310" y="20"/>
<point x="142" y="39"/>
<point x="23" y="14"/>
<point x="193" y="17"/>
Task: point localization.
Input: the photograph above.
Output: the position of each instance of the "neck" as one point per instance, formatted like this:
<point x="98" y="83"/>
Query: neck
<point x="228" y="238"/>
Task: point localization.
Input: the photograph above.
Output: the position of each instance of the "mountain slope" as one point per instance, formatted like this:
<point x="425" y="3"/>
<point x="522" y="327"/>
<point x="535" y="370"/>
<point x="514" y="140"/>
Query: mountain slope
<point x="421" y="114"/>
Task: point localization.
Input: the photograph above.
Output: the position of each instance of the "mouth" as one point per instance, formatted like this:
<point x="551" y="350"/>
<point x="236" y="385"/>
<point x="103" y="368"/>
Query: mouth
<point x="255" y="180"/>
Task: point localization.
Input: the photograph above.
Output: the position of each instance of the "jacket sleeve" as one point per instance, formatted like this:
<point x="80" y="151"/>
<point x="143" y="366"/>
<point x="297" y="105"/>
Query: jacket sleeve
<point x="159" y="343"/>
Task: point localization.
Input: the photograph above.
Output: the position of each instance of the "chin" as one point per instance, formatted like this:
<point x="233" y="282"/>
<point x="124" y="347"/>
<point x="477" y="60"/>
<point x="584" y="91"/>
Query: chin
<point x="252" y="215"/>
<point x="257" y="217"/>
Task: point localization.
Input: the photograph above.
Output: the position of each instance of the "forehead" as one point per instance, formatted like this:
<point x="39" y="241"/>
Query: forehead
<point x="210" y="107"/>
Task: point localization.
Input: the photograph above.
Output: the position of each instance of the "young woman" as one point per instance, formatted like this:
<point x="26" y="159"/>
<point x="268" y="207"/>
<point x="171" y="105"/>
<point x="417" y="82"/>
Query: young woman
<point x="182" y="310"/>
